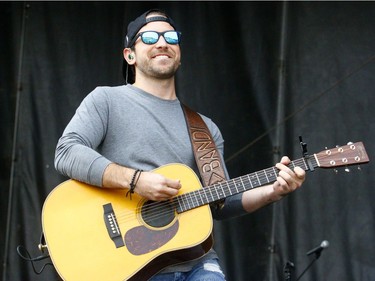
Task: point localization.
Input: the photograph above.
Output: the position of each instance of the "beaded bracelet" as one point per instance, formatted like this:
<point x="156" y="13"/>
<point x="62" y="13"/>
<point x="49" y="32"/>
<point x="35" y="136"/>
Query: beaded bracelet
<point x="133" y="182"/>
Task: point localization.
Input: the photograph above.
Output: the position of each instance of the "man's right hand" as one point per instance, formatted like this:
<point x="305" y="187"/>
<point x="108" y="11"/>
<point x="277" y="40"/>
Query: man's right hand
<point x="149" y="185"/>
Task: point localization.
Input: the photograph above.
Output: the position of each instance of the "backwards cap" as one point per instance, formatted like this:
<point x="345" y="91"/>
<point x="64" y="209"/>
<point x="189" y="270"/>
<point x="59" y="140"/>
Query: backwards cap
<point x="133" y="29"/>
<point x="142" y="20"/>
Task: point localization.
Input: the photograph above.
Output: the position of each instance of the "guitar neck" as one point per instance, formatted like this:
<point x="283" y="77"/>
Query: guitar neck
<point x="237" y="185"/>
<point x="351" y="154"/>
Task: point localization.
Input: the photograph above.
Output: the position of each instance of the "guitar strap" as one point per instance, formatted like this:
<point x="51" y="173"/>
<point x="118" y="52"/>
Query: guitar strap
<point x="207" y="156"/>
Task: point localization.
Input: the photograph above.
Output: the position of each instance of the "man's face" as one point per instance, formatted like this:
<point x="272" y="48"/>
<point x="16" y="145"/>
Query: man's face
<point x="160" y="60"/>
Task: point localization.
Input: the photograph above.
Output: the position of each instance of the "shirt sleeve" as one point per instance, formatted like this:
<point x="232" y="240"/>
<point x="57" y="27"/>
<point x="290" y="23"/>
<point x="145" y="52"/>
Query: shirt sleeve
<point x="75" y="154"/>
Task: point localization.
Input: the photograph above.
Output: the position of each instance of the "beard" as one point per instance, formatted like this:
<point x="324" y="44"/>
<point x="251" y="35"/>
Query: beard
<point x="159" y="69"/>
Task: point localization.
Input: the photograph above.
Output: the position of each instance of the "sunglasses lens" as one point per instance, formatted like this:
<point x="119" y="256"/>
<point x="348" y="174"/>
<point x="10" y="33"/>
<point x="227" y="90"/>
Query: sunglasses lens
<point x="172" y="37"/>
<point x="150" y="37"/>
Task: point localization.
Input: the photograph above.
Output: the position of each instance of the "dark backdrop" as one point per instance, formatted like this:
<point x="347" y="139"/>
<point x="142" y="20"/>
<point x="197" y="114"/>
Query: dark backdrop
<point x="265" y="72"/>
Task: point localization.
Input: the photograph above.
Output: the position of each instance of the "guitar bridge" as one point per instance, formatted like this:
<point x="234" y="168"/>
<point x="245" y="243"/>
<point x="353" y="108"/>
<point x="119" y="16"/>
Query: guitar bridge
<point x="112" y="225"/>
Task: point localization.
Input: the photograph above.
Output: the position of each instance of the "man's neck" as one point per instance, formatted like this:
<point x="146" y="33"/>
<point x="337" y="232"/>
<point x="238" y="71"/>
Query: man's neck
<point x="164" y="89"/>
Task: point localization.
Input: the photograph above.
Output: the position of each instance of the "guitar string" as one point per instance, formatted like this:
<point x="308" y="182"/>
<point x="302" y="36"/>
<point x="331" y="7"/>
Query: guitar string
<point x="264" y="176"/>
<point x="193" y="199"/>
<point x="200" y="197"/>
<point x="156" y="208"/>
<point x="261" y="177"/>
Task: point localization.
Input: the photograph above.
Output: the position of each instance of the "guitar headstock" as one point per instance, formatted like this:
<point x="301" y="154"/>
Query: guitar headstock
<point x="351" y="154"/>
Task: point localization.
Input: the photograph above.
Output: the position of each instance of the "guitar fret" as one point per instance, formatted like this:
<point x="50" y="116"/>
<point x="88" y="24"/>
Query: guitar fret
<point x="209" y="190"/>
<point x="181" y="203"/>
<point x="250" y="182"/>
<point x="205" y="194"/>
<point x="190" y="201"/>
<point x="304" y="162"/>
<point x="200" y="196"/>
<point x="219" y="190"/>
<point x="266" y="176"/>
<point x="262" y="179"/>
<point x="193" y="202"/>
<point x="217" y="193"/>
<point x="198" y="200"/>
<point x="270" y="174"/>
<point x="235" y="185"/>
<point x="197" y="203"/>
<point x="246" y="182"/>
<point x="222" y="189"/>
<point x="242" y="184"/>
<point x="231" y="187"/>
<point x="187" y="201"/>
<point x="256" y="180"/>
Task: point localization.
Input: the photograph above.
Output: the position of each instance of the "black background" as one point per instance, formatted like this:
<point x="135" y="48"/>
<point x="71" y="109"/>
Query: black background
<point x="265" y="72"/>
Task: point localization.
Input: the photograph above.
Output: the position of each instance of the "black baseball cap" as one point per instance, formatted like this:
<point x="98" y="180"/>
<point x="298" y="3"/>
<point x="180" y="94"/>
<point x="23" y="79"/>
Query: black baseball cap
<point x="132" y="31"/>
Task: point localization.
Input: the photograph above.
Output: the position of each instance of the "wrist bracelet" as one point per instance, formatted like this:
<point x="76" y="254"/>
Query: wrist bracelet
<point x="133" y="182"/>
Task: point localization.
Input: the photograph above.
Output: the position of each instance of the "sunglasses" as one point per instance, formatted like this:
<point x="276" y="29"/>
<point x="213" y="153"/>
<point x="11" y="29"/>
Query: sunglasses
<point x="151" y="37"/>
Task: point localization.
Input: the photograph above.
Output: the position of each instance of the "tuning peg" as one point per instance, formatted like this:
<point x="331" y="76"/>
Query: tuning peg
<point x="359" y="168"/>
<point x="336" y="171"/>
<point x="347" y="170"/>
<point x="350" y="143"/>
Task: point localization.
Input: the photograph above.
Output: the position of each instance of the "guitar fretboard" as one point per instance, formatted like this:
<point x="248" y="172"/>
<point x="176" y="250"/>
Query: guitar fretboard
<point x="221" y="190"/>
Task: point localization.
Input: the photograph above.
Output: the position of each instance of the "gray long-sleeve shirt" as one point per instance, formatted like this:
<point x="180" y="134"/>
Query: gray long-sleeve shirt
<point x="130" y="127"/>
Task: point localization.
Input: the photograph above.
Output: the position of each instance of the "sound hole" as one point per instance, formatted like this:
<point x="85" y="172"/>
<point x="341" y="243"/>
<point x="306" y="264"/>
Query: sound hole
<point x="158" y="214"/>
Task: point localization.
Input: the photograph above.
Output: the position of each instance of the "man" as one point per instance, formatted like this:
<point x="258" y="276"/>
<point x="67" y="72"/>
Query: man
<point x="118" y="135"/>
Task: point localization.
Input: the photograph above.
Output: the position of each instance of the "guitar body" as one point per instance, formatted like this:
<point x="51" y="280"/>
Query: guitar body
<point x="100" y="234"/>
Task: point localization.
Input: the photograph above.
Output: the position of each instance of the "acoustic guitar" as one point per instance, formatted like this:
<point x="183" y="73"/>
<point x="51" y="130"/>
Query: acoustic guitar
<point x="100" y="234"/>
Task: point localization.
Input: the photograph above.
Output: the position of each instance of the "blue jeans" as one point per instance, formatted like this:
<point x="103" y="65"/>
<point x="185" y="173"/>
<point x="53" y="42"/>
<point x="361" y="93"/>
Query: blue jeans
<point x="208" y="271"/>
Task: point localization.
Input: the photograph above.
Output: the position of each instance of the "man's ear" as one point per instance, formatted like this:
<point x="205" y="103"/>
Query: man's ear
<point x="129" y="56"/>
